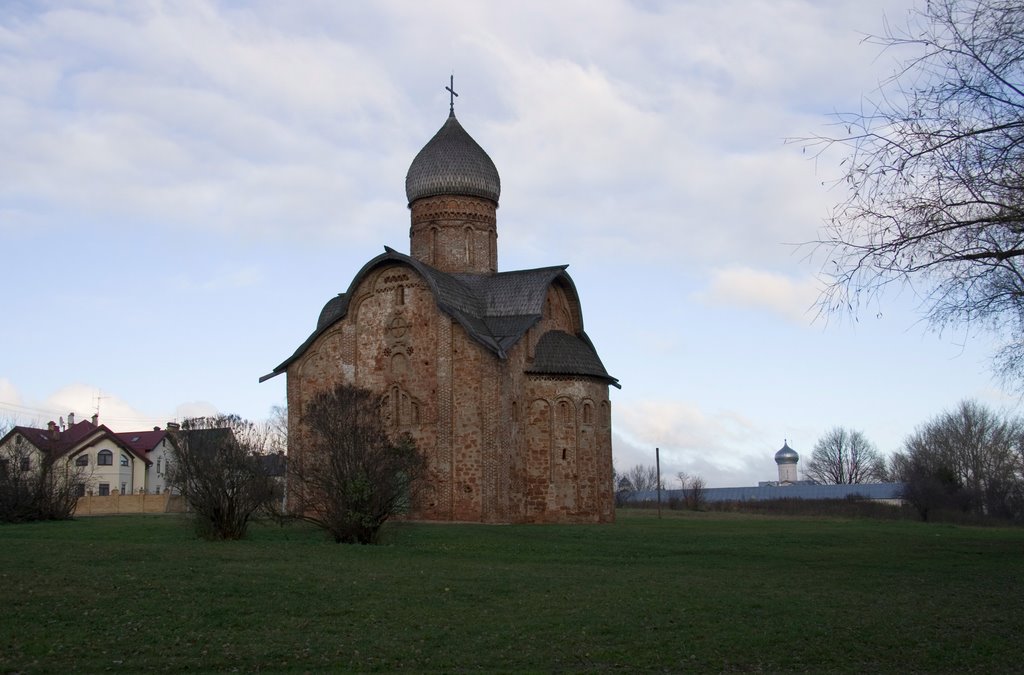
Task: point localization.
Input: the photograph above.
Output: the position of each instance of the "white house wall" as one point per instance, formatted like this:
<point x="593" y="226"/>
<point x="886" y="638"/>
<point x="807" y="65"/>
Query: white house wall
<point x="132" y="476"/>
<point x="156" y="473"/>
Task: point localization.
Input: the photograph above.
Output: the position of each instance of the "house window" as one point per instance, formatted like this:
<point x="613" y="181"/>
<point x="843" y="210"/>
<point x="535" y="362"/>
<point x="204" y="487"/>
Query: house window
<point x="124" y="461"/>
<point x="104" y="489"/>
<point x="158" y="461"/>
<point x="26" y="464"/>
<point x="82" y="460"/>
<point x="79" y="489"/>
<point x="122" y="488"/>
<point x="105" y="458"/>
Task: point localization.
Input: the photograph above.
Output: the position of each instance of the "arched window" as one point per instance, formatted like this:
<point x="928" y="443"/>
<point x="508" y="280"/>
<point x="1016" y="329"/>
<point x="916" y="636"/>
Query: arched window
<point x="564" y="414"/>
<point x="124" y="461"/>
<point x="105" y="458"/>
<point x="82" y="460"/>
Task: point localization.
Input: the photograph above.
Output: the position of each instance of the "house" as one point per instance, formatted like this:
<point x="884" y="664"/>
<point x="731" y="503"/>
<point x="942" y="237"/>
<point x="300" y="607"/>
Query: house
<point x="105" y="462"/>
<point x="157" y="447"/>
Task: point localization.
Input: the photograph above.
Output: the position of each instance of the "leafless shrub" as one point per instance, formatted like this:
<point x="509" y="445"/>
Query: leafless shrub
<point x="350" y="477"/>
<point x="218" y="468"/>
<point x="36" y="486"/>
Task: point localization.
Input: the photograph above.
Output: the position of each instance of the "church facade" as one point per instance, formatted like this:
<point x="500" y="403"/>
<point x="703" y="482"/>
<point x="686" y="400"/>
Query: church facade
<point x="491" y="373"/>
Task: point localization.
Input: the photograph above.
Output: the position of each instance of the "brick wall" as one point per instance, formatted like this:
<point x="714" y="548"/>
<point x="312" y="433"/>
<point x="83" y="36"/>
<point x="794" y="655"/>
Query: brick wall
<point x="501" y="446"/>
<point x="455" y="234"/>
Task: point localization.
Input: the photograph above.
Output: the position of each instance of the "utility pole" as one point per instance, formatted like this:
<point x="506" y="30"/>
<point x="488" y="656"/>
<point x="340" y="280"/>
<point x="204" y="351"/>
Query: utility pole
<point x="657" y="467"/>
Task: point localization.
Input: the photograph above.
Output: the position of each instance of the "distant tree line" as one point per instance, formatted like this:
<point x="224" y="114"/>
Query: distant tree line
<point x="645" y="478"/>
<point x="968" y="461"/>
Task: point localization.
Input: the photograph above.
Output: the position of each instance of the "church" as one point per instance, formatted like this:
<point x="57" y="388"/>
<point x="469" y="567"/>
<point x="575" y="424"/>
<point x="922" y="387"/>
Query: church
<point x="490" y="372"/>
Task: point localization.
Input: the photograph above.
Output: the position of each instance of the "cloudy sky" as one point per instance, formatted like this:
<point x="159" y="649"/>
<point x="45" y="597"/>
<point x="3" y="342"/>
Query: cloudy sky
<point x="184" y="184"/>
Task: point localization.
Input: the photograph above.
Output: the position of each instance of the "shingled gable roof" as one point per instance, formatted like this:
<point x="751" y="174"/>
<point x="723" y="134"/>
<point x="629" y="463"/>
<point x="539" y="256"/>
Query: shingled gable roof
<point x="73" y="439"/>
<point x="496" y="310"/>
<point x="558" y="353"/>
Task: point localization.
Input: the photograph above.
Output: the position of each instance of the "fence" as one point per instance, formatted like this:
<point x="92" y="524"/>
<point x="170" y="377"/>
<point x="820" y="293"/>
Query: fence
<point x="94" y="505"/>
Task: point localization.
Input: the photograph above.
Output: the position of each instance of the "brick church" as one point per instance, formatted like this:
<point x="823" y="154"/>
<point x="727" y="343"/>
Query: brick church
<point x="490" y="372"/>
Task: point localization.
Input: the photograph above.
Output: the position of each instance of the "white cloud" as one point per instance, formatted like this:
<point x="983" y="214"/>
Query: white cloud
<point x="83" y="400"/>
<point x="226" y="279"/>
<point x="723" y="446"/>
<point x="195" y="409"/>
<point x="611" y="145"/>
<point x="748" y="288"/>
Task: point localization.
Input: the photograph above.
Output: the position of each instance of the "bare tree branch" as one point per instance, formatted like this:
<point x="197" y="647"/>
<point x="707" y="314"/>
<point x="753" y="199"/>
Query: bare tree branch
<point x="934" y="173"/>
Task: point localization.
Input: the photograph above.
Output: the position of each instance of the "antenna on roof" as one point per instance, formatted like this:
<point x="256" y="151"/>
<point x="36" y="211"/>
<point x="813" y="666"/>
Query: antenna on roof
<point x="451" y="90"/>
<point x="98" y="399"/>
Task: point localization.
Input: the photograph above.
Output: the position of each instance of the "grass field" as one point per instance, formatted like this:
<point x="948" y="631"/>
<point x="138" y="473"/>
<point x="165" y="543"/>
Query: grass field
<point x="687" y="593"/>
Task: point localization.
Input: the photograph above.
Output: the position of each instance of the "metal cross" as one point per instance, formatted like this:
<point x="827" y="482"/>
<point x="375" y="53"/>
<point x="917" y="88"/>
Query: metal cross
<point x="451" y="90"/>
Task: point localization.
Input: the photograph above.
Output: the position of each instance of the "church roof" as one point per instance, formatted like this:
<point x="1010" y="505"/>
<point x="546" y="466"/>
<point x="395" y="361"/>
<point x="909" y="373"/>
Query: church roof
<point x="452" y="163"/>
<point x="496" y="310"/>
<point x="558" y="353"/>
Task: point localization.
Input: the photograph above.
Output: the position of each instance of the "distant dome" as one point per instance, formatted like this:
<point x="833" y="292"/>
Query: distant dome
<point x="786" y="455"/>
<point x="452" y="163"/>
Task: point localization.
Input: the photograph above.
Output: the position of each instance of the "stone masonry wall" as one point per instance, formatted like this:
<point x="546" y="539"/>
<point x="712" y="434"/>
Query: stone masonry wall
<point x="501" y="446"/>
<point x="455" y="234"/>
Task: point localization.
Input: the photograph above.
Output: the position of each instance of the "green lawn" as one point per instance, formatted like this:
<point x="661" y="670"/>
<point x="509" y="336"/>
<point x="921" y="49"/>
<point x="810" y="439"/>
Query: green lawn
<point x="693" y="592"/>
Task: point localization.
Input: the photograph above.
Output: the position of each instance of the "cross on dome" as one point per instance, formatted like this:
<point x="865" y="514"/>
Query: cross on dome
<point x="451" y="90"/>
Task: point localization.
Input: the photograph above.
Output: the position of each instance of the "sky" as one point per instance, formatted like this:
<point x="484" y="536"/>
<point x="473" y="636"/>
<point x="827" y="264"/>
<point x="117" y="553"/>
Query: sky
<point x="183" y="185"/>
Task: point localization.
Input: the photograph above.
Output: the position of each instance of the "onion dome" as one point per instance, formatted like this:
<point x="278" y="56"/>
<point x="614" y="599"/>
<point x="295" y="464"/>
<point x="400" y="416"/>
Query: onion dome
<point x="786" y="455"/>
<point x="452" y="163"/>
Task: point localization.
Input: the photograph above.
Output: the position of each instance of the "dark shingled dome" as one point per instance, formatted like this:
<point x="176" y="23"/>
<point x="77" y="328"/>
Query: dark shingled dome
<point x="452" y="163"/>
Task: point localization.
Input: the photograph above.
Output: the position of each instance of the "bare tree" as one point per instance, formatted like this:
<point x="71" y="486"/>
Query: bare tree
<point x="642" y="478"/>
<point x="935" y="176"/>
<point x="844" y="456"/>
<point x="350" y="476"/>
<point x="967" y="459"/>
<point x="218" y="467"/>
<point x="35" y="485"/>
<point x="694" y="490"/>
<point x="278" y="428"/>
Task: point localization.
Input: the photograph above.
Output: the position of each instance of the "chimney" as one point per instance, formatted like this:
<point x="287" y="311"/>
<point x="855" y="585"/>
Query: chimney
<point x="53" y="429"/>
<point x="71" y="419"/>
<point x="96" y="420"/>
<point x="156" y="428"/>
<point x="173" y="426"/>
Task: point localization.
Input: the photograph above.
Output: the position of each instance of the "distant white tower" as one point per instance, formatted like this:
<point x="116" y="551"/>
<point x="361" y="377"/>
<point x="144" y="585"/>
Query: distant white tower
<point x="787" y="460"/>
